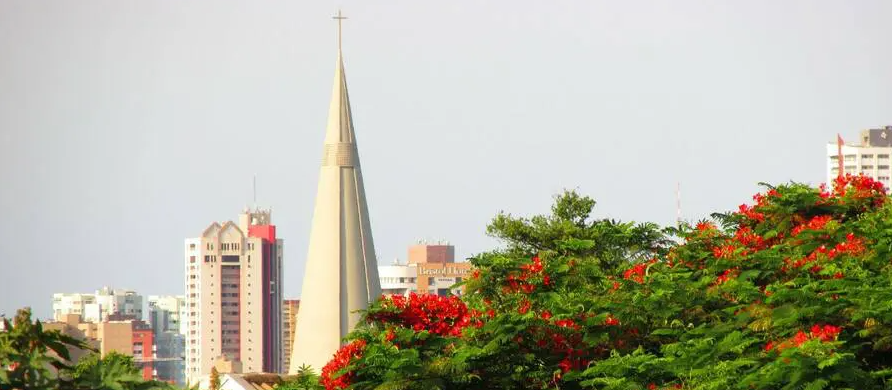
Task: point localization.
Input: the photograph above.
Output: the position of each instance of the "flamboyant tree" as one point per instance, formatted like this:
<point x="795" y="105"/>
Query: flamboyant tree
<point x="790" y="292"/>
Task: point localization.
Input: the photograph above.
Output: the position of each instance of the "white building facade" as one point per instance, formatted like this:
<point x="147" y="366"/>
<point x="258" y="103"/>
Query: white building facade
<point x="165" y="313"/>
<point x="99" y="306"/>
<point x="869" y="156"/>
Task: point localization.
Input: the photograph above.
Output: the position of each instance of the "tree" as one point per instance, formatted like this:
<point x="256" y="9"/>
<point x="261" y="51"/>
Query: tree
<point x="114" y="371"/>
<point x="214" y="379"/>
<point x="305" y="379"/>
<point x="790" y="292"/>
<point x="31" y="356"/>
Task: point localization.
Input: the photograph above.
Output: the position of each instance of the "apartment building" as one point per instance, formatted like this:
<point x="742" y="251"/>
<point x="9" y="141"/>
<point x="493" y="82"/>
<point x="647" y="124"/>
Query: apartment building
<point x="234" y="295"/>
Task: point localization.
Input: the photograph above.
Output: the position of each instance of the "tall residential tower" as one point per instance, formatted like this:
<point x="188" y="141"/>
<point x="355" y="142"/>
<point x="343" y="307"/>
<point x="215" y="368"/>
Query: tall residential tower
<point x="234" y="296"/>
<point x="341" y="274"/>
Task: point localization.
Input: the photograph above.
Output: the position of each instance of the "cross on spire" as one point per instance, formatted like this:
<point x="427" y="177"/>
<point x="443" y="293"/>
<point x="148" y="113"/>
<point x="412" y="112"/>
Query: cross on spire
<point x="339" y="18"/>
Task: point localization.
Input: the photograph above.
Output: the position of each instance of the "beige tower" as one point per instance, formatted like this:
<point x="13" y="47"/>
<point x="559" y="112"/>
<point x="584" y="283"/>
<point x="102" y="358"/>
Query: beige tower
<point x="341" y="275"/>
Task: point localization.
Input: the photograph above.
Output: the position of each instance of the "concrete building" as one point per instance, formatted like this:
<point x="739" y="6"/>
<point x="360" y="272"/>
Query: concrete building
<point x="128" y="337"/>
<point x="234" y="295"/>
<point x="341" y="273"/>
<point x="99" y="306"/>
<point x="290" y="308"/>
<point x="165" y="313"/>
<point x="165" y="316"/>
<point x="870" y="156"/>
<point x="431" y="269"/>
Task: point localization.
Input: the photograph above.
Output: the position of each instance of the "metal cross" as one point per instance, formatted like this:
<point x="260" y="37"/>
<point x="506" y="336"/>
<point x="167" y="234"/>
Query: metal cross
<point x="339" y="18"/>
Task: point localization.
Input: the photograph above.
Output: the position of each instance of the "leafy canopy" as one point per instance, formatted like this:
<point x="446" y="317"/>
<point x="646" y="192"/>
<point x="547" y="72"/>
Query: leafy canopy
<point x="790" y="292"/>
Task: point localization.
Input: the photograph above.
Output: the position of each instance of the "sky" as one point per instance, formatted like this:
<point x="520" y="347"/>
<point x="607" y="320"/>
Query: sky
<point x="126" y="127"/>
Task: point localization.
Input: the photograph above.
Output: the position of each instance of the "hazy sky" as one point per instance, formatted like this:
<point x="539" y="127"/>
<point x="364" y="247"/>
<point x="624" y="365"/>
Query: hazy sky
<point x="126" y="127"/>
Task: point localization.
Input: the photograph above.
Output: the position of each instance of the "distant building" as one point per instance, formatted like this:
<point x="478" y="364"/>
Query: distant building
<point x="234" y="295"/>
<point x="165" y="316"/>
<point x="431" y="269"/>
<point x="165" y="313"/>
<point x="289" y="318"/>
<point x="128" y="337"/>
<point x="99" y="306"/>
<point x="869" y="156"/>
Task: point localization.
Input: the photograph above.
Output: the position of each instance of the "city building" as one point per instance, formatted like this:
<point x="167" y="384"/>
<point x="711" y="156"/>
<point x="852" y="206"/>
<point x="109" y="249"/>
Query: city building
<point x="234" y="295"/>
<point x="870" y="156"/>
<point x="431" y="269"/>
<point x="289" y="318"/>
<point x="128" y="337"/>
<point x="341" y="273"/>
<point x="99" y="306"/>
<point x="231" y="377"/>
<point x="164" y="315"/>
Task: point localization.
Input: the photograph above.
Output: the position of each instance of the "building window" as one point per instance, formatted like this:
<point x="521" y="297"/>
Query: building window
<point x="866" y="167"/>
<point x="866" y="156"/>
<point x="430" y="280"/>
<point x="882" y="156"/>
<point x="191" y="259"/>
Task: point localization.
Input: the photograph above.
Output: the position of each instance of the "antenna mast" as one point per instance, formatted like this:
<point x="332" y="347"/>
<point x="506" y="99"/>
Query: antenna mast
<point x="678" y="203"/>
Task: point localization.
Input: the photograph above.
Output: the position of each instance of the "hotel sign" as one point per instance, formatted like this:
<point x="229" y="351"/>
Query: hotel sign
<point x="444" y="271"/>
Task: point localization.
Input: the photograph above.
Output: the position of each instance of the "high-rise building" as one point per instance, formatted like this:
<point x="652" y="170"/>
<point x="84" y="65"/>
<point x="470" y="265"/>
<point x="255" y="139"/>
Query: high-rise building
<point x="234" y="295"/>
<point x="431" y="270"/>
<point x="341" y="273"/>
<point x="165" y="316"/>
<point x="289" y="318"/>
<point x="869" y="156"/>
<point x="99" y="306"/>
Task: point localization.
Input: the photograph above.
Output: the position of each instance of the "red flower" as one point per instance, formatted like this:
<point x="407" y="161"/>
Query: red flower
<point x="445" y="316"/>
<point x="341" y="359"/>
<point x="611" y="320"/>
<point x="769" y="346"/>
<point x="546" y="315"/>
<point x="651" y="386"/>
<point x="723" y="252"/>
<point x="705" y="226"/>
<point x="524" y="307"/>
<point x="565" y="365"/>
<point x="826" y="332"/>
<point x="636" y="273"/>
<point x="800" y="338"/>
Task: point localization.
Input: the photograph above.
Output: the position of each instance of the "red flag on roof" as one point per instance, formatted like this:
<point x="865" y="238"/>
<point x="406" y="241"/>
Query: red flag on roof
<point x="839" y="144"/>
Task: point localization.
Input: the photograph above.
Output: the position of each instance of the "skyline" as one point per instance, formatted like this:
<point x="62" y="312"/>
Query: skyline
<point x="125" y="126"/>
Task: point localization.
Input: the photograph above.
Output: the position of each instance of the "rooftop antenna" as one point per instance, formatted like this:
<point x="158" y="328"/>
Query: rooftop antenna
<point x="678" y="203"/>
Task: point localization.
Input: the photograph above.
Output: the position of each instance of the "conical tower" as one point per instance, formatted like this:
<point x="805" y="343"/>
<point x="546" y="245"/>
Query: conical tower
<point x="341" y="274"/>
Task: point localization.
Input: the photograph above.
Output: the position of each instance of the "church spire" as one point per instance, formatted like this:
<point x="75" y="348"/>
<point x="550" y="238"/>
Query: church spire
<point x="341" y="274"/>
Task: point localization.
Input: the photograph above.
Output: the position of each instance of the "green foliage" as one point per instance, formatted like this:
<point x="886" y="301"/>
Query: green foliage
<point x="112" y="372"/>
<point x="790" y="293"/>
<point x="305" y="379"/>
<point x="32" y="358"/>
<point x="214" y="379"/>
